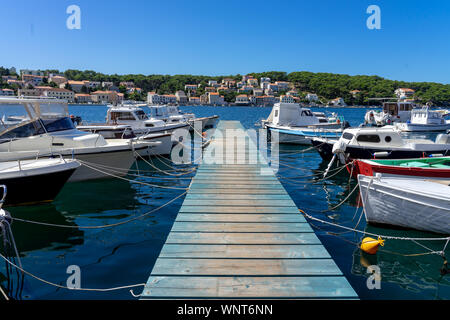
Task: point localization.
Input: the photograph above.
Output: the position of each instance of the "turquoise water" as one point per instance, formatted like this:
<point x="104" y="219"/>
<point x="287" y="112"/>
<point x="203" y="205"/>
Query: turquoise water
<point x="125" y="254"/>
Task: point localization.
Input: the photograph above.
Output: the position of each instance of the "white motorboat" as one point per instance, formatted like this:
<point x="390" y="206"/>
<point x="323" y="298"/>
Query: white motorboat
<point x="380" y="143"/>
<point x="416" y="203"/>
<point x="138" y="120"/>
<point x="424" y="120"/>
<point x="163" y="140"/>
<point x="297" y="125"/>
<point x="392" y="112"/>
<point x="35" y="181"/>
<point x="172" y="114"/>
<point x="49" y="131"/>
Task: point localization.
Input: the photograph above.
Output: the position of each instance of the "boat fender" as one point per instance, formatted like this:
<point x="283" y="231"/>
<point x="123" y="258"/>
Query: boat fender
<point x="339" y="147"/>
<point x="370" y="245"/>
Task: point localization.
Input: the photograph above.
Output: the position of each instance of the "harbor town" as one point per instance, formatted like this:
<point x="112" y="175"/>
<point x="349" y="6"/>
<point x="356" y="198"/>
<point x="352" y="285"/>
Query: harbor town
<point x="266" y="170"/>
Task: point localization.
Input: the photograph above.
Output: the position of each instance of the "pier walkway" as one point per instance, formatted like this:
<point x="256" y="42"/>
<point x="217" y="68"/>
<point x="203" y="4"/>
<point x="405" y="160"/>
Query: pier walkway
<point x="238" y="235"/>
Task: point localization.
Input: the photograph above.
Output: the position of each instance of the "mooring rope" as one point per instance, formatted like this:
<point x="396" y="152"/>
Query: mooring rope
<point x="101" y="226"/>
<point x="129" y="180"/>
<point x="68" y="288"/>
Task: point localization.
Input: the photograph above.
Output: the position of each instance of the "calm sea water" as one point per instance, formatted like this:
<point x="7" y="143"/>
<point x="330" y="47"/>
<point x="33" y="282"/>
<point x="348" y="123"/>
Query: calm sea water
<point x="125" y="254"/>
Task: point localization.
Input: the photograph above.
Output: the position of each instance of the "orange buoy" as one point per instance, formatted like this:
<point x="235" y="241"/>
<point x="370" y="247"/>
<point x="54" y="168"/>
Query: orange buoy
<point x="370" y="245"/>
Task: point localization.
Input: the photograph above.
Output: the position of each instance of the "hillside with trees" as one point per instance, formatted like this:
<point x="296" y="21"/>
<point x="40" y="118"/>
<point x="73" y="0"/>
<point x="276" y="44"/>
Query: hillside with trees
<point x="325" y="85"/>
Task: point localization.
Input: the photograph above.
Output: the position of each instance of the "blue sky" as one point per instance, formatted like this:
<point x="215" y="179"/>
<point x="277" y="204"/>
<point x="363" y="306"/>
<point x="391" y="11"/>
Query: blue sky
<point x="230" y="37"/>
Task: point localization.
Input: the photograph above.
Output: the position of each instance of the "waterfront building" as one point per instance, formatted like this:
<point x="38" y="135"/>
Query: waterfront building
<point x="264" y="83"/>
<point x="6" y="92"/>
<point x="181" y="97"/>
<point x="19" y="83"/>
<point x="107" y="97"/>
<point x="242" y="100"/>
<point x="168" y="99"/>
<point x="194" y="100"/>
<point x="26" y="92"/>
<point x="59" y="93"/>
<point x="83" y="98"/>
<point x="153" y="98"/>
<point x="215" y="98"/>
<point x="266" y="100"/>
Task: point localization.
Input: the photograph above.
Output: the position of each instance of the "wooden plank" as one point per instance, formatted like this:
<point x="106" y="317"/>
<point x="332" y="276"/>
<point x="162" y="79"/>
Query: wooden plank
<point x="239" y="227"/>
<point x="198" y="185"/>
<point x="236" y="209"/>
<point x="248" y="287"/>
<point x="269" y="251"/>
<point x="245" y="267"/>
<point x="240" y="191"/>
<point x="252" y="203"/>
<point x="242" y="238"/>
<point x="246" y="182"/>
<point x="202" y="196"/>
<point x="240" y="217"/>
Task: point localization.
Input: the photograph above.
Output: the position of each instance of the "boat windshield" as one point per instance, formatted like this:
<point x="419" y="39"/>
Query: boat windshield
<point x="28" y="129"/>
<point x="141" y="115"/>
<point x="61" y="124"/>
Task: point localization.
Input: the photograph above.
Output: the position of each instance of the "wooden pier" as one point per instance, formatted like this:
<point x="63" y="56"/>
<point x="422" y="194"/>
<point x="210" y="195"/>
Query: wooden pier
<point x="238" y="235"/>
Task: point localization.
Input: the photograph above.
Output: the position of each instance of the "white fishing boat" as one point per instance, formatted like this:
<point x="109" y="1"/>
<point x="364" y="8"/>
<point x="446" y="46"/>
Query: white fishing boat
<point x="424" y="120"/>
<point x="380" y="143"/>
<point x="49" y="131"/>
<point x="391" y="112"/>
<point x="297" y="125"/>
<point x="35" y="181"/>
<point x="416" y="203"/>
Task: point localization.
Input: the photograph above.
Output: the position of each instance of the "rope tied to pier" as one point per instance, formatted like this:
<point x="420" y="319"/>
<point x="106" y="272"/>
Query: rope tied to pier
<point x="101" y="226"/>
<point x="68" y="288"/>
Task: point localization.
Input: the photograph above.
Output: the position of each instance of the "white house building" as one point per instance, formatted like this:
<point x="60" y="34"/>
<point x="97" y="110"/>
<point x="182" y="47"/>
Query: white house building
<point x="312" y="97"/>
<point x="404" y="93"/>
<point x="59" y="93"/>
<point x="6" y="92"/>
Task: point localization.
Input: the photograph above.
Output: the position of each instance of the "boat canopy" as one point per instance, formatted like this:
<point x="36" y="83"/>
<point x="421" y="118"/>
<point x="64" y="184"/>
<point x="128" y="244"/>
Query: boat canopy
<point x="292" y="114"/>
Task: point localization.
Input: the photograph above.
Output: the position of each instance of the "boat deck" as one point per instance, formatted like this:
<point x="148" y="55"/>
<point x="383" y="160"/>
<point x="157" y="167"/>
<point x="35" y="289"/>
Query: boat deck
<point x="238" y="235"/>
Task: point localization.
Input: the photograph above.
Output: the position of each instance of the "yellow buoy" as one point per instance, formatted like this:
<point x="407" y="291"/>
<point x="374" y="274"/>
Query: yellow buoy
<point x="370" y="245"/>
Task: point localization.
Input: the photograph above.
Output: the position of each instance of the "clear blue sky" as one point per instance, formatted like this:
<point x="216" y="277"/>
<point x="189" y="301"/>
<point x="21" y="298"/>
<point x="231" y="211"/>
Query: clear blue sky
<point x="230" y="37"/>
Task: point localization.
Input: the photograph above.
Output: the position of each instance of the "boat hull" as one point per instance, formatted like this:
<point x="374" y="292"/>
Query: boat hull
<point x="410" y="127"/>
<point x="33" y="189"/>
<point x="325" y="150"/>
<point x="389" y="205"/>
<point x="301" y="137"/>
<point x="121" y="161"/>
<point x="370" y="169"/>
